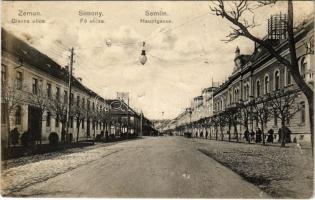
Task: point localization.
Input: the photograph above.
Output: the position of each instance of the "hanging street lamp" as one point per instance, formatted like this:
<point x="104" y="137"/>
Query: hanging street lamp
<point x="143" y="57"/>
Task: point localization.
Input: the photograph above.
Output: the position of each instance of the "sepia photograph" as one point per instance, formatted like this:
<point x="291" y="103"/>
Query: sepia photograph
<point x="157" y="99"/>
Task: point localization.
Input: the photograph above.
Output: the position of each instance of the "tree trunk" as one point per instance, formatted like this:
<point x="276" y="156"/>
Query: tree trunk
<point x="235" y="131"/>
<point x="78" y="130"/>
<point x="311" y="118"/>
<point x="308" y="92"/>
<point x="283" y="133"/>
<point x="40" y="128"/>
<point x="8" y="127"/>
<point x="229" y="131"/>
<point x="263" y="134"/>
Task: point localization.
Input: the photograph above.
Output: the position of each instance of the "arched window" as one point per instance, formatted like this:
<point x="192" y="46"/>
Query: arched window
<point x="258" y="88"/>
<point x="18" y="115"/>
<point x="302" y="104"/>
<point x="303" y="67"/>
<point x="266" y="84"/>
<point x="277" y="80"/>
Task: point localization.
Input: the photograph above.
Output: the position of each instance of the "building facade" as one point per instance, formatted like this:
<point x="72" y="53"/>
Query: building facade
<point x="257" y="76"/>
<point x="35" y="95"/>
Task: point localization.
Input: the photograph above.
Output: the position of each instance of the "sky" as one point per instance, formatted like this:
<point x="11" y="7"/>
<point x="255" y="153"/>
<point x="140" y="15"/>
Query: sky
<point x="183" y="56"/>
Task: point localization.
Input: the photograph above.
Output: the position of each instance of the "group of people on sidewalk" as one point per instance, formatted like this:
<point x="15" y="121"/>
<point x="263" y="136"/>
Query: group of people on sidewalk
<point x="257" y="136"/>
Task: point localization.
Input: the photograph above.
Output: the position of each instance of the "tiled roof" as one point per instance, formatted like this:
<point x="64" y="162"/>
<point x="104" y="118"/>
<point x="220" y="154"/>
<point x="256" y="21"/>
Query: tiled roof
<point x="28" y="54"/>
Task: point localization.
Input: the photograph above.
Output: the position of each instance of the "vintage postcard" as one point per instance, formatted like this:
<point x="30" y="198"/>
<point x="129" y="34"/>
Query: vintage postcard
<point x="157" y="99"/>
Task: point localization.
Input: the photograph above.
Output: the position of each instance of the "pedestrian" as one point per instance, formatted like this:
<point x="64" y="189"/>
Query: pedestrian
<point x="279" y="135"/>
<point x="258" y="135"/>
<point x="270" y="136"/>
<point x="246" y="136"/>
<point x="287" y="135"/>
<point x="252" y="135"/>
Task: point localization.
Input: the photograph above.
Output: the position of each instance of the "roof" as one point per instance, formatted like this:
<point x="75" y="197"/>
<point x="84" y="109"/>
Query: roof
<point x="28" y="54"/>
<point x="261" y="55"/>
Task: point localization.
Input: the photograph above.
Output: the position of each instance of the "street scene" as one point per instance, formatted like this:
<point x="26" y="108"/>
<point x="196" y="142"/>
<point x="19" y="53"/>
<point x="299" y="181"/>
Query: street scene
<point x="145" y="99"/>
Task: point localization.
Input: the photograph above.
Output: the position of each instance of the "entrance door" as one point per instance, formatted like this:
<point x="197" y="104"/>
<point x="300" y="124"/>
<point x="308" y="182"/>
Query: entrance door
<point x="88" y="128"/>
<point x="34" y="122"/>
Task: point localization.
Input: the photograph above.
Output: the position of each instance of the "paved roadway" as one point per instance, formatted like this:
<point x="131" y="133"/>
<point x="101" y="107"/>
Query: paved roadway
<point x="151" y="167"/>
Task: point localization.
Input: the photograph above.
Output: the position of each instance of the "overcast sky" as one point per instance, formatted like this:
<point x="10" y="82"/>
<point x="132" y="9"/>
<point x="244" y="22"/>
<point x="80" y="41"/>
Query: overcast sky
<point x="183" y="56"/>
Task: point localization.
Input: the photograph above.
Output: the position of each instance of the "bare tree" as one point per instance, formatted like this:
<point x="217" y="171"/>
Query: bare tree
<point x="59" y="109"/>
<point x="232" y="115"/>
<point x="236" y="12"/>
<point x="222" y="121"/>
<point x="10" y="98"/>
<point x="41" y="100"/>
<point x="284" y="107"/>
<point x="215" y="124"/>
<point x="262" y="113"/>
<point x="79" y="113"/>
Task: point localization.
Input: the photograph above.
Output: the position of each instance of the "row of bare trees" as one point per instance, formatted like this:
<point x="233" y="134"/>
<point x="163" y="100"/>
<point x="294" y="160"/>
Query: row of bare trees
<point x="241" y="15"/>
<point x="280" y="104"/>
<point x="52" y="104"/>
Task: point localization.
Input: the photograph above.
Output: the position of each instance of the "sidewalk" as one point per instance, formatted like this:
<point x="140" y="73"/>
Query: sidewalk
<point x="281" y="172"/>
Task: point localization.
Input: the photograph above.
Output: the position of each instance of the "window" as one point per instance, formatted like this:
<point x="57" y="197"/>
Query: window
<point x="71" y="122"/>
<point x="246" y="91"/>
<point x="302" y="108"/>
<point x="303" y="67"/>
<point x="57" y="93"/>
<point x="65" y="96"/>
<point x="48" y="116"/>
<point x="78" y="100"/>
<point x="277" y="80"/>
<point x="57" y="121"/>
<point x="18" y="115"/>
<point x="266" y="84"/>
<point x="35" y="86"/>
<point x="83" y="123"/>
<point x="3" y="74"/>
<point x="19" y="80"/>
<point x="258" y="88"/>
<point x="48" y="90"/>
<point x="71" y="98"/>
<point x="83" y="103"/>
<point x="88" y="104"/>
<point x="93" y="106"/>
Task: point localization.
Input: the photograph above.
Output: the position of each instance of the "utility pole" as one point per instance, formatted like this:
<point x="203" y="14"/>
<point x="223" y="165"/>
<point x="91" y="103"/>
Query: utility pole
<point x="128" y="118"/>
<point x="69" y="93"/>
<point x="141" y="123"/>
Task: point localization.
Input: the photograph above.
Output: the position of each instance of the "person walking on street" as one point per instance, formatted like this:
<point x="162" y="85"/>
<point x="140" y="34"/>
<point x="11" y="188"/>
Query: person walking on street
<point x="258" y="135"/>
<point x="246" y="136"/>
<point x="270" y="136"/>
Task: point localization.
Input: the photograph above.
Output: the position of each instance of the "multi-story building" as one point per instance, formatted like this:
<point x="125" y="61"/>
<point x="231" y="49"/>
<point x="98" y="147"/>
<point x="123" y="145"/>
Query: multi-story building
<point x="258" y="75"/>
<point x="35" y="95"/>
